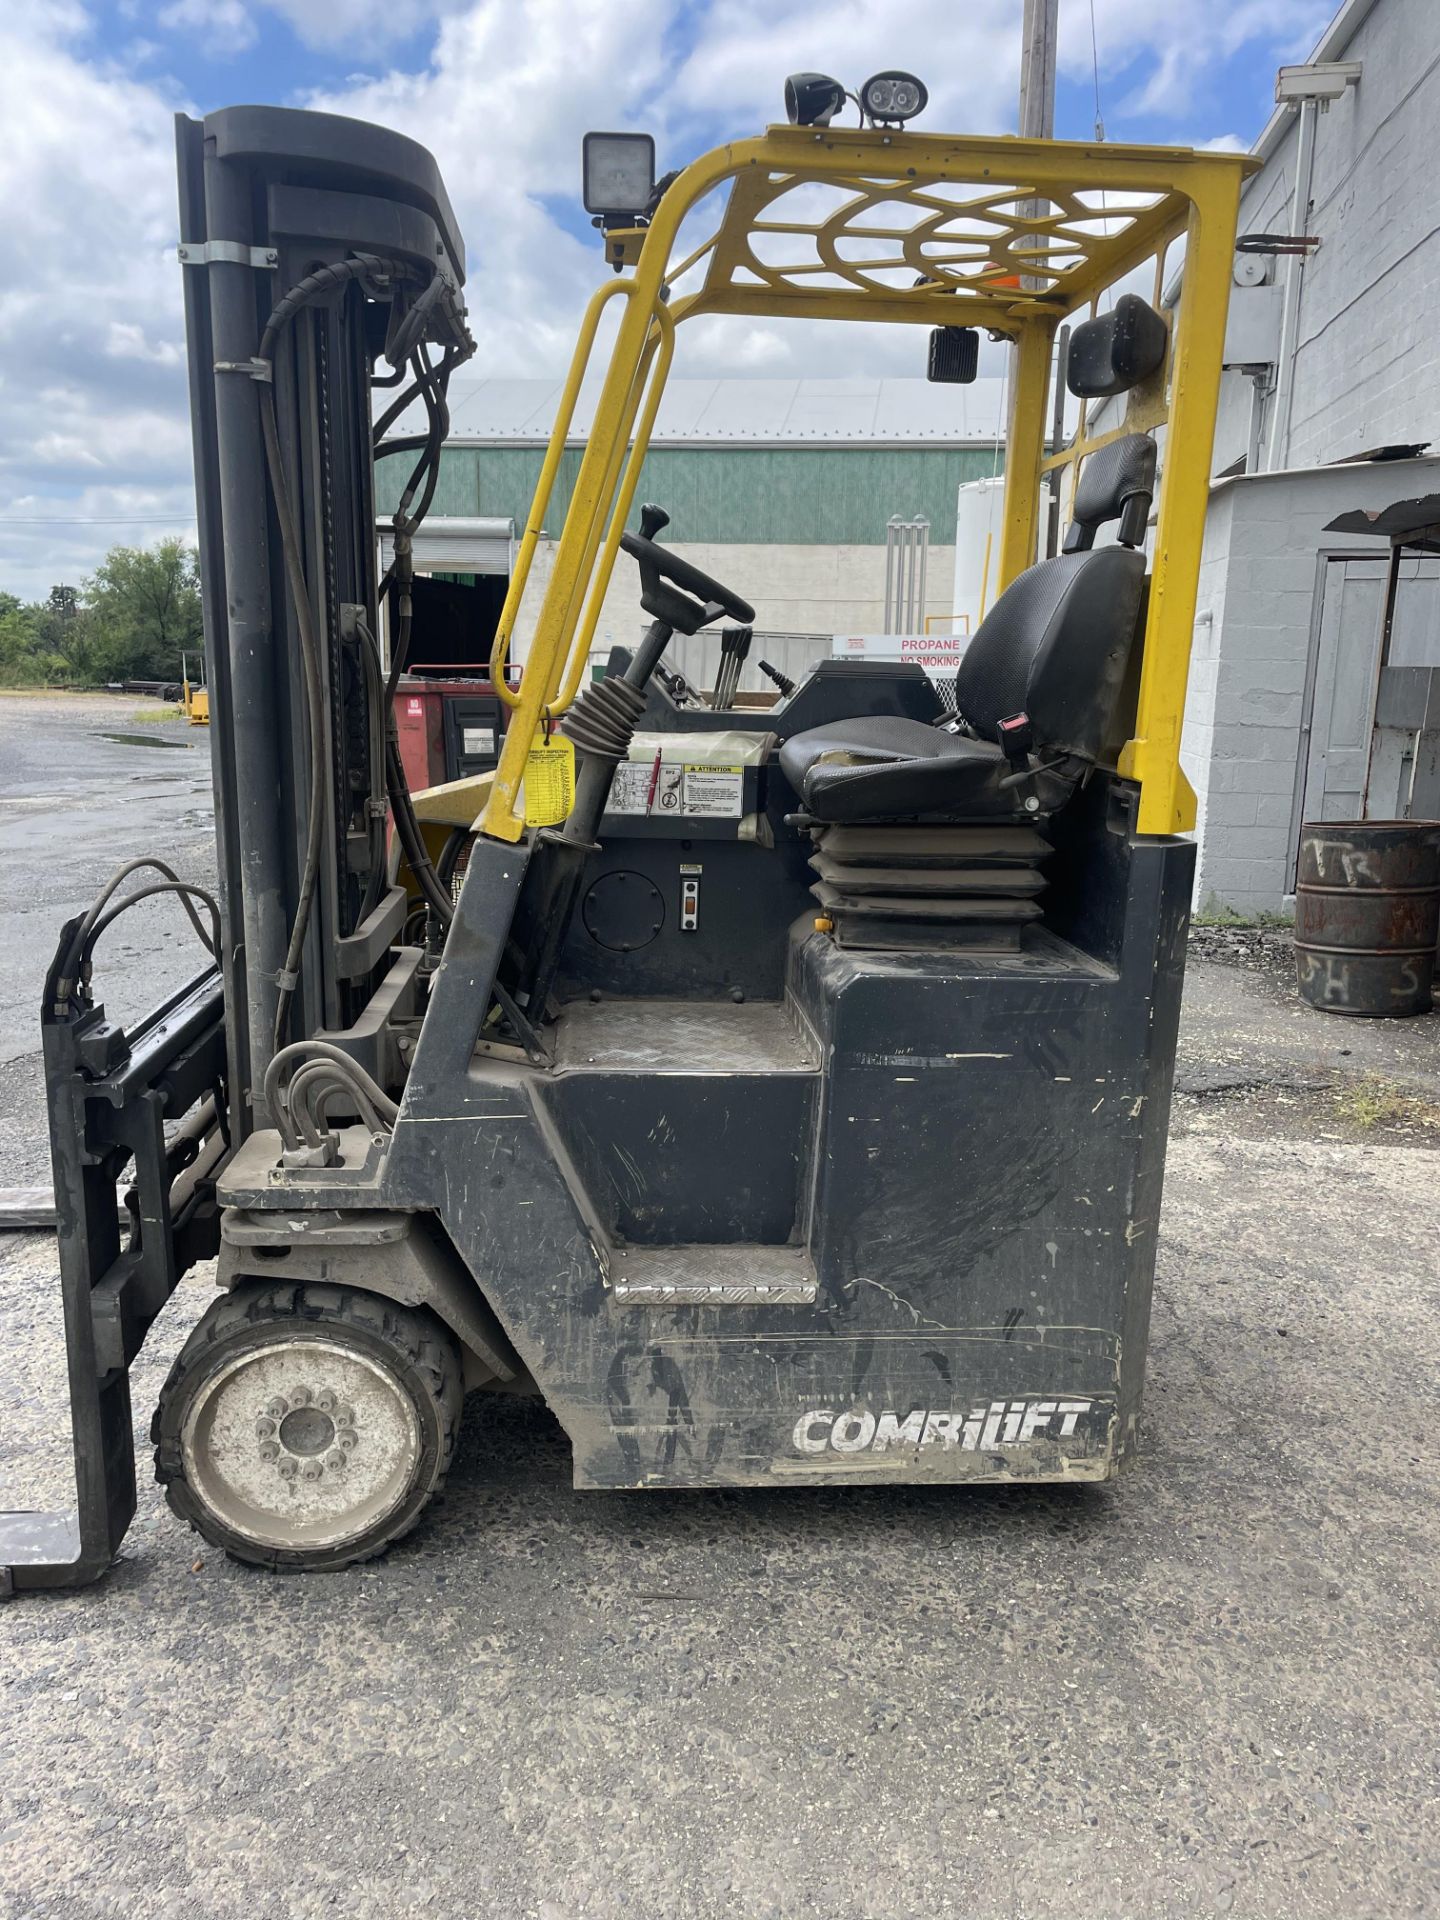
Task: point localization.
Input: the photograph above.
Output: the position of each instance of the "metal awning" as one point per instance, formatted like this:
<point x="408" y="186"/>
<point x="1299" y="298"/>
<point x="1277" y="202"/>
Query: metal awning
<point x="1405" y="523"/>
<point x="458" y="544"/>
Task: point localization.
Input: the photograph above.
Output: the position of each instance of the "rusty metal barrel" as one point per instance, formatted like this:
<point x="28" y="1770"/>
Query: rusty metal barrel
<point x="1367" y="915"/>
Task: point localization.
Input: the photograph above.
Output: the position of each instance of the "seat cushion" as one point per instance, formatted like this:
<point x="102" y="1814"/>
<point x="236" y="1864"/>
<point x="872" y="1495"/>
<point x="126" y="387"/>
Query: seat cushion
<point x="879" y="767"/>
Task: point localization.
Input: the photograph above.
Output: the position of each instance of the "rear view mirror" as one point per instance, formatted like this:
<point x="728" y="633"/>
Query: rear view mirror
<point x="1117" y="350"/>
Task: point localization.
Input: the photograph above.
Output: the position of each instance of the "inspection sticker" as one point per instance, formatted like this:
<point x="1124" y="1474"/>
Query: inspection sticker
<point x="549" y="784"/>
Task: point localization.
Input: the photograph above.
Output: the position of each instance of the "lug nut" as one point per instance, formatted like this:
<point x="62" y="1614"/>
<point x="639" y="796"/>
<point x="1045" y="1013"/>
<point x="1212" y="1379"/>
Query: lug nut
<point x="311" y="1470"/>
<point x="278" y="1409"/>
<point x="301" y="1397"/>
<point x="325" y="1401"/>
<point x="288" y="1468"/>
<point x="269" y="1451"/>
<point x="336" y="1459"/>
<point x="344" y="1415"/>
<point x="345" y="1438"/>
<point x="264" y="1429"/>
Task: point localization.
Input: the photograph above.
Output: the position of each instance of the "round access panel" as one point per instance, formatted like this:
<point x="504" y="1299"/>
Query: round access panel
<point x="623" y="911"/>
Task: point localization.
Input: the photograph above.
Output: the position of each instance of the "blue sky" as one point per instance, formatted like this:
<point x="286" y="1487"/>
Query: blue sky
<point x="94" y="440"/>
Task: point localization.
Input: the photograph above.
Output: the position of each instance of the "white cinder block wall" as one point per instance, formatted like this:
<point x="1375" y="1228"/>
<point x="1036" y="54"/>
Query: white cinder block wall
<point x="1245" y="710"/>
<point x="793" y="589"/>
<point x="1367" y="374"/>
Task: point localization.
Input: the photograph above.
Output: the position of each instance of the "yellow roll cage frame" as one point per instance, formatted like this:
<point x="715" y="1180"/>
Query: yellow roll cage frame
<point x="1005" y="234"/>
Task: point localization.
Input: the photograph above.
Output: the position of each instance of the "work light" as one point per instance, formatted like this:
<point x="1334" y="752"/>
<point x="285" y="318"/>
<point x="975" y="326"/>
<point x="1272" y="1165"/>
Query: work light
<point x="889" y="98"/>
<point x="812" y="99"/>
<point x="619" y="174"/>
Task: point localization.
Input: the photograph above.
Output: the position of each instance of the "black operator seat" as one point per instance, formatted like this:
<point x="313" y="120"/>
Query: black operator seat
<point x="1035" y="692"/>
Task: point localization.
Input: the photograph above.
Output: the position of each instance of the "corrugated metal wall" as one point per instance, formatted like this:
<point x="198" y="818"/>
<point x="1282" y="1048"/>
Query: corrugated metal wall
<point x="764" y="496"/>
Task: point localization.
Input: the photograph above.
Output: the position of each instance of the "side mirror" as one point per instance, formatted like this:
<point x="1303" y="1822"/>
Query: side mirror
<point x="1117" y="350"/>
<point x="954" y="355"/>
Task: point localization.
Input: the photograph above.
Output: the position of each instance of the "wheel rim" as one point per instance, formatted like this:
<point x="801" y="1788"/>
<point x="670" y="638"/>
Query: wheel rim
<point x="301" y="1444"/>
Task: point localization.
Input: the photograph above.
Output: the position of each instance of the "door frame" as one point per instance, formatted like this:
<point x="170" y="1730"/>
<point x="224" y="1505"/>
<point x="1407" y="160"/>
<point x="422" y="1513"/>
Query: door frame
<point x="1324" y="558"/>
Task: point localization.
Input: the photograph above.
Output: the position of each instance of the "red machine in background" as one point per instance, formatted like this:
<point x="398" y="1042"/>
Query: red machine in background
<point x="450" y="720"/>
<point x="449" y="726"/>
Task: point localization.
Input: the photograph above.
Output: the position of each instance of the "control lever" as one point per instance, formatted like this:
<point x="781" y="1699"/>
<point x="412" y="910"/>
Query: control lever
<point x="782" y="681"/>
<point x="734" y="651"/>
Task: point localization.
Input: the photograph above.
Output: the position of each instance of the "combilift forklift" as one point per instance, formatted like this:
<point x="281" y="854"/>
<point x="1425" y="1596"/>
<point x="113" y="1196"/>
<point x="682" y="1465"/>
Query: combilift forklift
<point x="780" y="1092"/>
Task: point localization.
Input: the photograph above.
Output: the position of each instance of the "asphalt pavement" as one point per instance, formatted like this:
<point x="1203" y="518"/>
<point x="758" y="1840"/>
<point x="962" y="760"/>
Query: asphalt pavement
<point x="1208" y="1689"/>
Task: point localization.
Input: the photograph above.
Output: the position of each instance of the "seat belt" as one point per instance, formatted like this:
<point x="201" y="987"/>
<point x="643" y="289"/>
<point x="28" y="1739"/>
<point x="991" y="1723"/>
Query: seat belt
<point x="1017" y="737"/>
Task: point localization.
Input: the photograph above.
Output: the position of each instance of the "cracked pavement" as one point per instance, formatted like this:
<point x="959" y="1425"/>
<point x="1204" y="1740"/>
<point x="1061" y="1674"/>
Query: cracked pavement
<point x="1210" y="1688"/>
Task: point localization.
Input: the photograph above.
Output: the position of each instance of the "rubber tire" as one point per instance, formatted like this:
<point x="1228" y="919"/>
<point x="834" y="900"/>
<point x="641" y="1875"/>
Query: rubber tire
<point x="409" y="1342"/>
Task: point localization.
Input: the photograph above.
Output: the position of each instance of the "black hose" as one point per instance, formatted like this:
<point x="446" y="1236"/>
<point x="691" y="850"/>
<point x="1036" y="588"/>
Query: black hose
<point x="314" y="703"/>
<point x="316" y="286"/>
<point x="407" y="827"/>
<point x="210" y="941"/>
<point x="379" y="720"/>
<point x="450" y="857"/>
<point x="325" y="1078"/>
<point x="276" y="1098"/>
<point x="91" y="925"/>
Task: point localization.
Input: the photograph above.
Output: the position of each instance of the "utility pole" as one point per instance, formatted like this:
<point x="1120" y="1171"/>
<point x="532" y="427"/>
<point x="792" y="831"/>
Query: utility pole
<point x="1039" y="34"/>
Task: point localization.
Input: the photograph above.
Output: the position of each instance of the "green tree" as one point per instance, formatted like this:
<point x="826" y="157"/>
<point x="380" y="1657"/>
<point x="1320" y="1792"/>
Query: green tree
<point x="18" y="637"/>
<point x="141" y="610"/>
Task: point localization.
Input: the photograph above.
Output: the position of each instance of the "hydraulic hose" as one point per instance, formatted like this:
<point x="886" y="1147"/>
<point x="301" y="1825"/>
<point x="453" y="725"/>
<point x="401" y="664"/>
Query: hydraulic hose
<point x="359" y="1084"/>
<point x="430" y="383"/>
<point x="96" y="919"/>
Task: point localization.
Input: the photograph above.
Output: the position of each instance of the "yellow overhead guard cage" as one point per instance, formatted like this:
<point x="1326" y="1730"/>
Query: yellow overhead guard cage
<point x="1013" y="236"/>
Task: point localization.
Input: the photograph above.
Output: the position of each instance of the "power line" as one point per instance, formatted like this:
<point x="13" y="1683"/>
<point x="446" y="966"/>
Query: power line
<point x="1095" y="66"/>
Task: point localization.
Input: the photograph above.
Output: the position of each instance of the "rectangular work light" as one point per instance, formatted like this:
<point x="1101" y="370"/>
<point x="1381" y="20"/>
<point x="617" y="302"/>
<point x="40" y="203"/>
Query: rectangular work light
<point x="619" y="173"/>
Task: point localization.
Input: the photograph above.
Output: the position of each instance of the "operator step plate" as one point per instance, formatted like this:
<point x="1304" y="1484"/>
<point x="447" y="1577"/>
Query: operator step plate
<point x="712" y="1276"/>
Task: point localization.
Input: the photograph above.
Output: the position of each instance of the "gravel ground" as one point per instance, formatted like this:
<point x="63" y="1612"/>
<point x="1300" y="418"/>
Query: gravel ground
<point x="1210" y="1689"/>
<point x="86" y="782"/>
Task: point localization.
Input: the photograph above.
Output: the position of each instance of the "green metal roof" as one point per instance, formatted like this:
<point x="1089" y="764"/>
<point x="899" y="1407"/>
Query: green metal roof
<point x="743" y="496"/>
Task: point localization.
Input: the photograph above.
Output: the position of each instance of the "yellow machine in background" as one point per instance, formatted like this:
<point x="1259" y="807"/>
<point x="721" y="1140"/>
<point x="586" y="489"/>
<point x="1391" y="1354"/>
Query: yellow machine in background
<point x="194" y="701"/>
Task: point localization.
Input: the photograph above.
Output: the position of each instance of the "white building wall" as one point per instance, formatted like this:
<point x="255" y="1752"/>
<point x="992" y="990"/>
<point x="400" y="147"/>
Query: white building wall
<point x="1197" y="738"/>
<point x="1245" y="711"/>
<point x="1366" y="352"/>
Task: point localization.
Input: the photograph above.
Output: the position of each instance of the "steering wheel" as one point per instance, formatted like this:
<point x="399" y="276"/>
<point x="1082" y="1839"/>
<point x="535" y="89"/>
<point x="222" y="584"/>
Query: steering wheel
<point x="668" y="583"/>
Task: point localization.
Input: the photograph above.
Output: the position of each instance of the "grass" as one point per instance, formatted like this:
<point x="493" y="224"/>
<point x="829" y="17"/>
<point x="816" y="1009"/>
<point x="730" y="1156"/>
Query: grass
<point x="1215" y="913"/>
<point x="156" y="716"/>
<point x="1375" y="1102"/>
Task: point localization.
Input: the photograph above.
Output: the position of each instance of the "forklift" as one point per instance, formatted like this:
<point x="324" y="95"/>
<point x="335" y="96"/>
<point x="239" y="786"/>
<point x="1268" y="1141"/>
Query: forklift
<point x="778" y="1089"/>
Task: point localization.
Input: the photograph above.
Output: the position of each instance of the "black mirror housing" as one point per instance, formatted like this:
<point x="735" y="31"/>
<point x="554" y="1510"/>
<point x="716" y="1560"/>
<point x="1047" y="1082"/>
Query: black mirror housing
<point x="1117" y="350"/>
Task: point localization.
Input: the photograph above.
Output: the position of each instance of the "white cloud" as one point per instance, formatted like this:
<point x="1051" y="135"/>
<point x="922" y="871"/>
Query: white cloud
<point x="93" y="422"/>
<point x="125" y="340"/>
<point x="92" y="387"/>
<point x="219" y="26"/>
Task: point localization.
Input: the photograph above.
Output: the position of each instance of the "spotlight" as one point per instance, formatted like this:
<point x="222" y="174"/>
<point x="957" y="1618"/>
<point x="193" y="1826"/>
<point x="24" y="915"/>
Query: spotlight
<point x="812" y="99"/>
<point x="887" y="99"/>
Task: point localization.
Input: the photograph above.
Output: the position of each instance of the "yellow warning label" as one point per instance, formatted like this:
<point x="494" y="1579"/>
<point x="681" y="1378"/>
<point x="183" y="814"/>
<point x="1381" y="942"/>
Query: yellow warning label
<point x="549" y="785"/>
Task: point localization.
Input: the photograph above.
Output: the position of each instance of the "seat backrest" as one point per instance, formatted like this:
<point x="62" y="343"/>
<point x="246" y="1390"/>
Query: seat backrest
<point x="1056" y="643"/>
